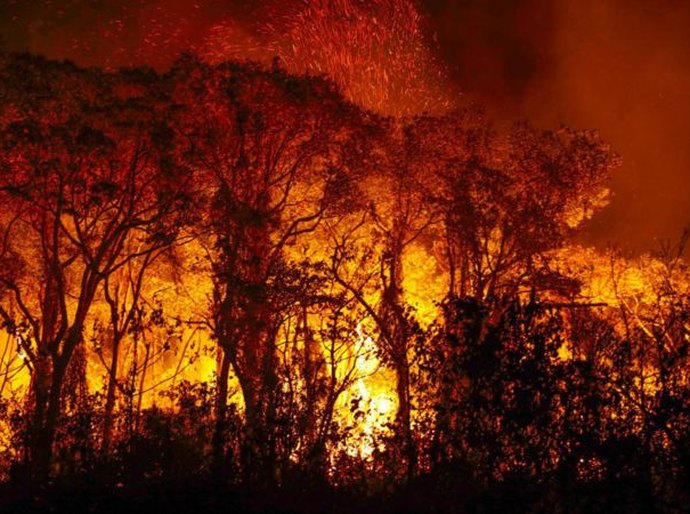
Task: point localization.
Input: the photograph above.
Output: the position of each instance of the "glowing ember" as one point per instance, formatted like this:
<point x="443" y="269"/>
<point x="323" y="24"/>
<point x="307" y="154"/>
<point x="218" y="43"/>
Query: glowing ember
<point x="377" y="51"/>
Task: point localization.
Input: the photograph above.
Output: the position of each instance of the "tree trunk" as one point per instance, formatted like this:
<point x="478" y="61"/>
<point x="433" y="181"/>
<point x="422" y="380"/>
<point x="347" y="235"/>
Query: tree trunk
<point x="404" y="416"/>
<point x="258" y="454"/>
<point x="39" y="455"/>
<point x="398" y="329"/>
<point x="219" y="432"/>
<point x="110" y="399"/>
<point x="47" y="409"/>
<point x="142" y="383"/>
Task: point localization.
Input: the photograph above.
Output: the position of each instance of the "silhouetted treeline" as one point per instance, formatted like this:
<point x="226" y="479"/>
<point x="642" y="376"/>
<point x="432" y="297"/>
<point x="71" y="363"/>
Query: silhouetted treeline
<point x="206" y="276"/>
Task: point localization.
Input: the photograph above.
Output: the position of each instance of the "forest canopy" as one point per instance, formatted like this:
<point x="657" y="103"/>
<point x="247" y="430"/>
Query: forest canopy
<point x="231" y="271"/>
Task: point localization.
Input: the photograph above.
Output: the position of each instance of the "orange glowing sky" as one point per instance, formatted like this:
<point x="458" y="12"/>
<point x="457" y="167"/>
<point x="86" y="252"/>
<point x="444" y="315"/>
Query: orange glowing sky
<point x="621" y="66"/>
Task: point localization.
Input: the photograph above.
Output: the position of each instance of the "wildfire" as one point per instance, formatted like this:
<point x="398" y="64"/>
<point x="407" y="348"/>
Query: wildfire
<point x="370" y="406"/>
<point x="316" y="288"/>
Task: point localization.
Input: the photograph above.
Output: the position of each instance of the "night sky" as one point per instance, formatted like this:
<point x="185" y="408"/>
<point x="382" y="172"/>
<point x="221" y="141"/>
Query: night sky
<point x="620" y="66"/>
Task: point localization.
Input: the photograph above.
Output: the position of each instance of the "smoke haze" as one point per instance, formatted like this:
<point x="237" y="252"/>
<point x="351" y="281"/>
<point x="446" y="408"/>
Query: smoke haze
<point x="622" y="67"/>
<point x="619" y="66"/>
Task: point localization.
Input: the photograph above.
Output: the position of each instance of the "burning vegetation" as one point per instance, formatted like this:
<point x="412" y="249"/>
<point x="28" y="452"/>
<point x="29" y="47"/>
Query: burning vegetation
<point x="233" y="271"/>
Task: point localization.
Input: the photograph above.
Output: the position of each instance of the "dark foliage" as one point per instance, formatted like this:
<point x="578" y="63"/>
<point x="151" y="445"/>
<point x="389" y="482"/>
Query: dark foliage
<point x="302" y="209"/>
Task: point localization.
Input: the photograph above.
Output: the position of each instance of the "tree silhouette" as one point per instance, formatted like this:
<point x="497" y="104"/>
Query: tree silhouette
<point x="228" y="277"/>
<point x="81" y="175"/>
<point x="268" y="145"/>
